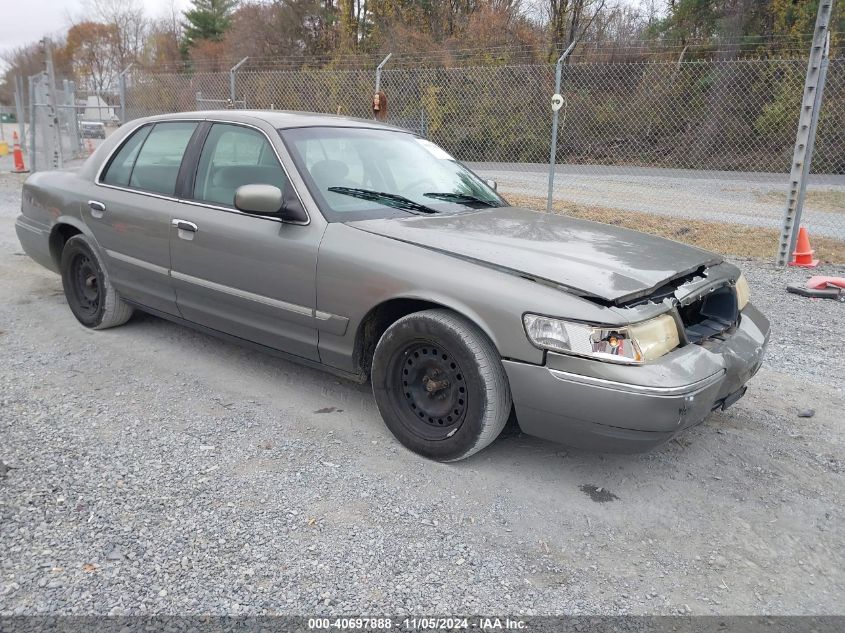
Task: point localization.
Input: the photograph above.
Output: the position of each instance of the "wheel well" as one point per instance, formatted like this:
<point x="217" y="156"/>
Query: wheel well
<point x="60" y="234"/>
<point x="376" y="323"/>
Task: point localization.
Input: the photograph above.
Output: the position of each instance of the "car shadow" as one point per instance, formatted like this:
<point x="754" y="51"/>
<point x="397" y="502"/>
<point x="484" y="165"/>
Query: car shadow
<point x="342" y="405"/>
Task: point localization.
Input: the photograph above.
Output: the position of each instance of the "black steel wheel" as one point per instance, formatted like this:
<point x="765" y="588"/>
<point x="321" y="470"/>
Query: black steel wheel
<point x="85" y="285"/>
<point x="440" y="385"/>
<point x="433" y="389"/>
<point x="90" y="295"/>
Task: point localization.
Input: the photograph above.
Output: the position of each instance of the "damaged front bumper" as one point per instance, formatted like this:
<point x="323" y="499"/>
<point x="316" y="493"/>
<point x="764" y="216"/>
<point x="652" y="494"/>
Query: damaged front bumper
<point x="623" y="408"/>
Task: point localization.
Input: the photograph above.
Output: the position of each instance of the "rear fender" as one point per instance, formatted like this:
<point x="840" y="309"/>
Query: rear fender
<point x="56" y="241"/>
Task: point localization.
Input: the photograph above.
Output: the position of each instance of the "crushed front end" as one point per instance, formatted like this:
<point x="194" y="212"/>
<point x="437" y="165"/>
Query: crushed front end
<point x="621" y="407"/>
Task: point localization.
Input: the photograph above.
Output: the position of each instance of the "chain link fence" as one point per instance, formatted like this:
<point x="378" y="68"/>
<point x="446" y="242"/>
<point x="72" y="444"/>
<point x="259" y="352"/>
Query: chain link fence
<point x="55" y="123"/>
<point x="709" y="141"/>
<point x="62" y="126"/>
<point x="688" y="142"/>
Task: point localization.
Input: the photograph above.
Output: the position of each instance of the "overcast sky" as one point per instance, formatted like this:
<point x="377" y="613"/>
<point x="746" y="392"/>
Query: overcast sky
<point x="26" y="21"/>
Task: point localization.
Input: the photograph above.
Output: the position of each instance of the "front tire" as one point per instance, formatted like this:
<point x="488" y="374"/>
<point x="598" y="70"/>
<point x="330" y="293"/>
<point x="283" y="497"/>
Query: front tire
<point x="440" y="386"/>
<point x="90" y="294"/>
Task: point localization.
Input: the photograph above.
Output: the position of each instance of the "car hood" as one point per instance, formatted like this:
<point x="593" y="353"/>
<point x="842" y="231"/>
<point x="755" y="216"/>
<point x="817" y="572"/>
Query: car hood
<point x="593" y="259"/>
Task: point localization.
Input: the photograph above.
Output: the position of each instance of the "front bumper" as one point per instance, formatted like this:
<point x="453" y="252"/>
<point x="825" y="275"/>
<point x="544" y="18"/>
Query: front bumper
<point x="623" y="408"/>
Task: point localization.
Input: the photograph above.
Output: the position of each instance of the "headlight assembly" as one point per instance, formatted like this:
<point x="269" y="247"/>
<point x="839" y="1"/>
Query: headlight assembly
<point x="632" y="344"/>
<point x="743" y="292"/>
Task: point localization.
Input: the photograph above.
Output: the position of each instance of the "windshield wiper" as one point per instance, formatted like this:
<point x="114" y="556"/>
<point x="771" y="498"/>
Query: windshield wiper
<point x="388" y="199"/>
<point x="460" y="197"/>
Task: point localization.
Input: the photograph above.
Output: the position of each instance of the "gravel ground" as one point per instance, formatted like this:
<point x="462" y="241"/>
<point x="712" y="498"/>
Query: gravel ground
<point x="155" y="470"/>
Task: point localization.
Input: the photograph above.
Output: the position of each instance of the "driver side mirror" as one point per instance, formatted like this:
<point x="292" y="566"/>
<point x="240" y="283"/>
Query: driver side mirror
<point x="269" y="200"/>
<point x="492" y="184"/>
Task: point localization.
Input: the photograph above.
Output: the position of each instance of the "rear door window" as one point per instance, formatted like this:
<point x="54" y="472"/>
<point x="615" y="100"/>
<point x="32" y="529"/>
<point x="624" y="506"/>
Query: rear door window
<point x="157" y="165"/>
<point x="120" y="167"/>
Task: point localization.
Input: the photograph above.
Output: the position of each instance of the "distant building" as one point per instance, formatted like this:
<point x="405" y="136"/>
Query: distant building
<point x="96" y="109"/>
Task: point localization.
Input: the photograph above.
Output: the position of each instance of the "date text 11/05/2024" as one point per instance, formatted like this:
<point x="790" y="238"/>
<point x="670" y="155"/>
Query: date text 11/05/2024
<point x="417" y="624"/>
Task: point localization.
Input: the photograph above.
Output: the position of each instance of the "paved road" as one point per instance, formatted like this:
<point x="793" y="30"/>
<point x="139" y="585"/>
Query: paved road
<point x="742" y="198"/>
<point x="755" y="199"/>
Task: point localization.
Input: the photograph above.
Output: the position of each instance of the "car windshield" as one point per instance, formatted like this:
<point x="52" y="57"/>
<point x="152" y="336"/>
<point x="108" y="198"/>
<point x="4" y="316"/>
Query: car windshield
<point x="360" y="173"/>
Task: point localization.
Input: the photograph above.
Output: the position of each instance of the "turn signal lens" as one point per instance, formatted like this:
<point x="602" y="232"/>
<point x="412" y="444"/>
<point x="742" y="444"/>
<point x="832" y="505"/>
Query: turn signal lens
<point x="656" y="337"/>
<point x="547" y="333"/>
<point x="743" y="292"/>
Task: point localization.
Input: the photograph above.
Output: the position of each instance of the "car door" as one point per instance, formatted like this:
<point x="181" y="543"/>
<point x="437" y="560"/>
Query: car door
<point x="131" y="207"/>
<point x="249" y="276"/>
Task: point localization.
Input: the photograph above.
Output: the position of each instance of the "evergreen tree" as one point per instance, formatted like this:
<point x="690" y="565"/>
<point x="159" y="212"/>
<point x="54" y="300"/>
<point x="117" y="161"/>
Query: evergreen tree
<point x="207" y="20"/>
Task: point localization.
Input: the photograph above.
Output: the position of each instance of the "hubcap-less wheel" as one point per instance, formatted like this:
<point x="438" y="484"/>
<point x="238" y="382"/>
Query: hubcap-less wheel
<point x="86" y="284"/>
<point x="90" y="294"/>
<point x="434" y="390"/>
<point x="440" y="385"/>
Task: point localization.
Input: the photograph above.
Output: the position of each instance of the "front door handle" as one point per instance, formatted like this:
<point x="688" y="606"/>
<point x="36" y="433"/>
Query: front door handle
<point x="97" y="208"/>
<point x="184" y="229"/>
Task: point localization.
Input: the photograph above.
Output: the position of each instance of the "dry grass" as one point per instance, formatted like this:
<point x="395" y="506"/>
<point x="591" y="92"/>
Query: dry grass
<point x="729" y="239"/>
<point x="829" y="200"/>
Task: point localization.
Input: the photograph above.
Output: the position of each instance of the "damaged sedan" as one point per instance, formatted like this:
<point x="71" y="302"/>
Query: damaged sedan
<point x="370" y="252"/>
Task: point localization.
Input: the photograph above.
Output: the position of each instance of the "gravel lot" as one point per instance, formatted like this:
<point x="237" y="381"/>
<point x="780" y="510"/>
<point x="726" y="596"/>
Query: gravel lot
<point x="158" y="470"/>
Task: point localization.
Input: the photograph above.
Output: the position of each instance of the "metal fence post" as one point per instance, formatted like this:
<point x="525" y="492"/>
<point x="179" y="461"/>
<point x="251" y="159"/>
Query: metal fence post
<point x="555" y="112"/>
<point x="232" y="75"/>
<point x="52" y="102"/>
<point x="121" y="86"/>
<point x="32" y="129"/>
<point x="19" y="112"/>
<point x="72" y="118"/>
<point x="378" y="71"/>
<point x="808" y="122"/>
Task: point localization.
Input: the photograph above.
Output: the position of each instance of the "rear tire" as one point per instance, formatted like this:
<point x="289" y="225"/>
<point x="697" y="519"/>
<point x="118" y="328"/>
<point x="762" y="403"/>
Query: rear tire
<point x="90" y="294"/>
<point x="440" y="386"/>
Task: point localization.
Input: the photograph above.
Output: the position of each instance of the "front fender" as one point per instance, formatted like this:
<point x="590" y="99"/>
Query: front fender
<point x="357" y="271"/>
<point x="448" y="302"/>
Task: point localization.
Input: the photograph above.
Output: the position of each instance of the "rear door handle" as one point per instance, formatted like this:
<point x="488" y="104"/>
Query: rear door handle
<point x="185" y="229"/>
<point x="97" y="208"/>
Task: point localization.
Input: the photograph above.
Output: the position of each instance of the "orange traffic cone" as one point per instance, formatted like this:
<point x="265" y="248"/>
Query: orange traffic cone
<point x="803" y="255"/>
<point x="18" y="155"/>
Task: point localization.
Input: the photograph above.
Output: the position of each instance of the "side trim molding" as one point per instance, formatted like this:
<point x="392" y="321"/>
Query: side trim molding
<point x="29" y="227"/>
<point x="331" y="323"/>
<point x="140" y="263"/>
<point x="325" y="321"/>
<point x="243" y="294"/>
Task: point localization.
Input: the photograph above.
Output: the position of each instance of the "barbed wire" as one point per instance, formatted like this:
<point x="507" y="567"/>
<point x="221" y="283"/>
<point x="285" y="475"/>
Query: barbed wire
<point x="513" y="53"/>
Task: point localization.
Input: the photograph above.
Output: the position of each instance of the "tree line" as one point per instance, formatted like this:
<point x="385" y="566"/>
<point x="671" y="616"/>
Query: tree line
<point x="210" y="35"/>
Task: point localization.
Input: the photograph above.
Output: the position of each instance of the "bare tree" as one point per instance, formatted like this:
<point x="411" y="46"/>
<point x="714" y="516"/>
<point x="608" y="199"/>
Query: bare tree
<point x="569" y="20"/>
<point x="130" y="23"/>
<point x="91" y="47"/>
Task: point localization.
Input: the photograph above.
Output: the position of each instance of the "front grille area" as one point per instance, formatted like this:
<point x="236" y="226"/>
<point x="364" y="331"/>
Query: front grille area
<point x="713" y="314"/>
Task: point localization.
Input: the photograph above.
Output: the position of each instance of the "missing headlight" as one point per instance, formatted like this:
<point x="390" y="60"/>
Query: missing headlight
<point x="711" y="315"/>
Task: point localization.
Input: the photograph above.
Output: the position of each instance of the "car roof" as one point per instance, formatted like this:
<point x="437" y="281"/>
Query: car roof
<point x="282" y="119"/>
